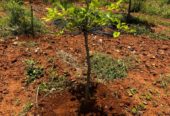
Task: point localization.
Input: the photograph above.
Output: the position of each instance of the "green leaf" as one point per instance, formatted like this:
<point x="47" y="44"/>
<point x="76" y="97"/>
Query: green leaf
<point x="116" y="34"/>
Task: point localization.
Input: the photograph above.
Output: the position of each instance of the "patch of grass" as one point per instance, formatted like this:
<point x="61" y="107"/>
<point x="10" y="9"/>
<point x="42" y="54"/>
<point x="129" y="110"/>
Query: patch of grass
<point x="68" y="58"/>
<point x="163" y="81"/>
<point x="56" y="84"/>
<point x="150" y="19"/>
<point x="144" y="30"/>
<point x="108" y="68"/>
<point x="33" y="71"/>
<point x="146" y="96"/>
<point x="26" y="108"/>
<point x="131" y="61"/>
<point x="140" y="107"/>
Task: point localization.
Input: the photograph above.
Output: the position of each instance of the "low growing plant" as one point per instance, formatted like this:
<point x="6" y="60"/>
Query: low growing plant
<point x="108" y="68"/>
<point x="33" y="71"/>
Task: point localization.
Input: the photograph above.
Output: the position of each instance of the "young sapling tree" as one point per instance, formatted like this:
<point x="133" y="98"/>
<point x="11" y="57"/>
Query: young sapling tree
<point x="85" y="17"/>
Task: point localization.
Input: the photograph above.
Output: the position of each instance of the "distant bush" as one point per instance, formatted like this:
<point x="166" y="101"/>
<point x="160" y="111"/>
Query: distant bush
<point x="18" y="19"/>
<point x="107" y="68"/>
<point x="153" y="7"/>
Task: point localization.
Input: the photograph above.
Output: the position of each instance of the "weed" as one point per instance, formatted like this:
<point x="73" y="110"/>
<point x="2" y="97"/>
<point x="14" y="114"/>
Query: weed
<point x="33" y="71"/>
<point x="146" y="96"/>
<point x="163" y="81"/>
<point x="68" y="58"/>
<point x="26" y="108"/>
<point x="144" y="30"/>
<point x="137" y="108"/>
<point x="131" y="61"/>
<point x="132" y="91"/>
<point x="17" y="102"/>
<point x="56" y="84"/>
<point x="107" y="68"/>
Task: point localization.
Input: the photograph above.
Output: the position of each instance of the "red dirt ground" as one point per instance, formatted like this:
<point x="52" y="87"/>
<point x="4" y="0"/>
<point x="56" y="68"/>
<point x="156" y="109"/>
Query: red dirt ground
<point x="110" y="99"/>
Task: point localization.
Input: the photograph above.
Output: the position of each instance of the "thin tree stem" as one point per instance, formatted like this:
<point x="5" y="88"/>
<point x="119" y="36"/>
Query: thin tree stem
<point x="32" y="19"/>
<point x="129" y="10"/>
<point x="88" y="65"/>
<point x="85" y="30"/>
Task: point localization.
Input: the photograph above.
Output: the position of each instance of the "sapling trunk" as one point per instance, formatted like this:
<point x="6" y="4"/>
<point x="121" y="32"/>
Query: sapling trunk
<point x="86" y="33"/>
<point x="88" y="79"/>
<point x="32" y="19"/>
<point x="129" y="10"/>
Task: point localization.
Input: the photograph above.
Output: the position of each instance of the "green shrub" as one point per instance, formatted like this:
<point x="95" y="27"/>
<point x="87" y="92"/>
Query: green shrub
<point x="152" y="7"/>
<point x="137" y="5"/>
<point x="5" y="30"/>
<point x="19" y="19"/>
<point x="107" y="68"/>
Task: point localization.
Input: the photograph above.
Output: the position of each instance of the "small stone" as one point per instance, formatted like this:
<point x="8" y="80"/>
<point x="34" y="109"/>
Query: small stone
<point x="100" y="41"/>
<point x="106" y="107"/>
<point x="15" y="43"/>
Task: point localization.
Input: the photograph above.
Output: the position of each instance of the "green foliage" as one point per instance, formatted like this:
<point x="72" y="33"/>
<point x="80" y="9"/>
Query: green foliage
<point x="26" y="108"/>
<point x="4" y="28"/>
<point x="107" y="68"/>
<point x="18" y="19"/>
<point x="137" y="108"/>
<point x="33" y="71"/>
<point x="71" y="17"/>
<point x="145" y="30"/>
<point x="163" y="81"/>
<point x="153" y="7"/>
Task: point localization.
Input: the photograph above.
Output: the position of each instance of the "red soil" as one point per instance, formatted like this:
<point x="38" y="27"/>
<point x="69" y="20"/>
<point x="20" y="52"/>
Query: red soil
<point x="153" y="57"/>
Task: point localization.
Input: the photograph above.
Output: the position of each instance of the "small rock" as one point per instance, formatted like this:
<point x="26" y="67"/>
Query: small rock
<point x="15" y="43"/>
<point x="37" y="50"/>
<point x="106" y="107"/>
<point x="117" y="50"/>
<point x="100" y="41"/>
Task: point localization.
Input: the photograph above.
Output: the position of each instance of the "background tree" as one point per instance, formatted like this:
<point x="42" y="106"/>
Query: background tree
<point x="85" y="18"/>
<point x="129" y="10"/>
